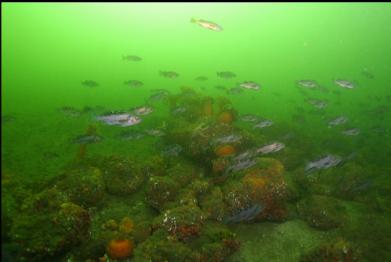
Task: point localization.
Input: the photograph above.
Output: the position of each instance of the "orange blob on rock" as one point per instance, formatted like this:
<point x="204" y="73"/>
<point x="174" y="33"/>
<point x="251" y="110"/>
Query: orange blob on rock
<point x="120" y="248"/>
<point x="208" y="109"/>
<point x="225" y="150"/>
<point x="225" y="117"/>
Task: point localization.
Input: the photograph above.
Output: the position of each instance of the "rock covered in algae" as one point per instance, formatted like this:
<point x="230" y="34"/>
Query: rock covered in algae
<point x="60" y="228"/>
<point x="257" y="193"/>
<point x="338" y="250"/>
<point x="161" y="247"/>
<point x="180" y="182"/>
<point x="160" y="191"/>
<point x="267" y="187"/>
<point x="84" y="186"/>
<point x="322" y="212"/>
<point x="122" y="176"/>
<point x="216" y="243"/>
<point x="213" y="205"/>
<point x="183" y="172"/>
<point x="182" y="222"/>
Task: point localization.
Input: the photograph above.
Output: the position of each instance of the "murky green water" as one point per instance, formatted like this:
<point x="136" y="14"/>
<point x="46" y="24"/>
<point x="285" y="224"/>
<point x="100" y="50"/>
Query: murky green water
<point x="312" y="181"/>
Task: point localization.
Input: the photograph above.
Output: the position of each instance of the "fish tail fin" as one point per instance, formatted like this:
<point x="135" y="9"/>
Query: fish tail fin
<point x="193" y="20"/>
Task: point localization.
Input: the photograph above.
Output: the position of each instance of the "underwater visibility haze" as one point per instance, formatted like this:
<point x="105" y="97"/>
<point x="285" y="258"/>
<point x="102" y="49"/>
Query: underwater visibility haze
<point x="239" y="132"/>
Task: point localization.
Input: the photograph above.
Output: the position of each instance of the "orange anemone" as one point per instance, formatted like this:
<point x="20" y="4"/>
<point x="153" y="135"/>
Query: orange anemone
<point x="225" y="150"/>
<point x="120" y="248"/>
<point x="208" y="107"/>
<point x="225" y="117"/>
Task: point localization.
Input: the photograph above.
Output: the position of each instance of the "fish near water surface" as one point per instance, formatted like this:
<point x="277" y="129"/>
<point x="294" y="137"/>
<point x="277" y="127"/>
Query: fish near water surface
<point x="133" y="83"/>
<point x="132" y="58"/>
<point x="226" y="74"/>
<point x="250" y="85"/>
<point x="344" y="83"/>
<point x="169" y="74"/>
<point x="90" y="83"/>
<point x="311" y="84"/>
<point x="201" y="78"/>
<point x="207" y="24"/>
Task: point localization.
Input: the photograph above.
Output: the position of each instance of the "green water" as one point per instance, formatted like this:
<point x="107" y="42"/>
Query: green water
<point x="49" y="49"/>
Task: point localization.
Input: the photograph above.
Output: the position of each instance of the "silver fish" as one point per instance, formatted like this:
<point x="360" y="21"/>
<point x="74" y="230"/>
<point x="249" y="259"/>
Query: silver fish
<point x="241" y="165"/>
<point x="143" y="110"/>
<point x="351" y="132"/>
<point x="317" y="103"/>
<point x="271" y="148"/>
<point x="121" y="119"/>
<point x="246" y="155"/>
<point x="324" y="162"/>
<point x="344" y="83"/>
<point x="249" y="118"/>
<point x="227" y="139"/>
<point x="250" y="85"/>
<point x="263" y="124"/>
<point x="87" y="139"/>
<point x="311" y="84"/>
<point x="338" y="121"/>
